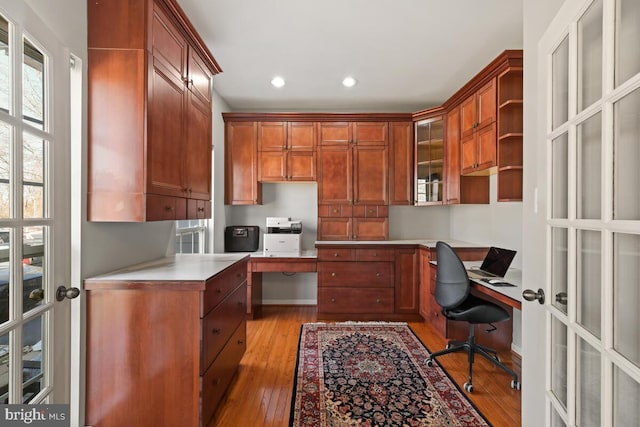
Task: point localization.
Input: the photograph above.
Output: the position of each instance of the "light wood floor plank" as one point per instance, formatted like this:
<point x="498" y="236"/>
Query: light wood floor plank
<point x="260" y="394"/>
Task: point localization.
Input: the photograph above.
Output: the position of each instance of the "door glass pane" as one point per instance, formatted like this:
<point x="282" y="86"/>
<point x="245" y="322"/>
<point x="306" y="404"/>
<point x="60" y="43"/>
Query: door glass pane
<point x="589" y="155"/>
<point x="559" y="268"/>
<point x="559" y="360"/>
<point x="33" y="86"/>
<point x="626" y="395"/>
<point x="588" y="398"/>
<point x="556" y="419"/>
<point x="32" y="373"/>
<point x="429" y="161"/>
<point x="5" y="67"/>
<point x="589" y="280"/>
<point x="5" y="274"/>
<point x="4" y="369"/>
<point x="590" y="56"/>
<point x="626" y="153"/>
<point x="5" y="170"/>
<point x="33" y="184"/>
<point x="560" y="84"/>
<point x="627" y="33"/>
<point x="33" y="266"/>
<point x="626" y="295"/>
<point x="559" y="176"/>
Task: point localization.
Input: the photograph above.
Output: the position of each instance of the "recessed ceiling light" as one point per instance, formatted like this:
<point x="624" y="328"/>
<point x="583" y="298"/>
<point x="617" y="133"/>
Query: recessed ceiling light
<point x="349" y="82"/>
<point x="277" y="81"/>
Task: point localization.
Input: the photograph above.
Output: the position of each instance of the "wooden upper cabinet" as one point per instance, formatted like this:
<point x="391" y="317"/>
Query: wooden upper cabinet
<point x="335" y="133"/>
<point x="241" y="166"/>
<point x="479" y="109"/>
<point x="371" y="133"/>
<point x="335" y="185"/>
<point x="272" y="136"/>
<point x="452" y="158"/>
<point x="370" y="175"/>
<point x="301" y="136"/>
<point x="149" y="79"/>
<point x="400" y="163"/>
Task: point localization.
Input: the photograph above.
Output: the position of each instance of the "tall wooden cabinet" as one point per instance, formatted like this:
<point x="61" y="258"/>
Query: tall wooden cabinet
<point x="353" y="181"/>
<point x="241" y="185"/>
<point x="149" y="78"/>
<point x="400" y="163"/>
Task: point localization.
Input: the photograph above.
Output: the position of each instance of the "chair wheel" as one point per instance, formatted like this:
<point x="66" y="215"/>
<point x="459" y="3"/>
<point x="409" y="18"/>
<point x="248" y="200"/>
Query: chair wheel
<point x="430" y="363"/>
<point x="468" y="387"/>
<point x="515" y="384"/>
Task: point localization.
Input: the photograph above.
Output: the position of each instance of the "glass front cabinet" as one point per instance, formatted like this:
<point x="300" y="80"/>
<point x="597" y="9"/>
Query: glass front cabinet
<point x="429" y="161"/>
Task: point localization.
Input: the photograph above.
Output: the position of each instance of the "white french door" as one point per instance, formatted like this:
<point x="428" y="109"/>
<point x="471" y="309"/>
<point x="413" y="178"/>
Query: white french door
<point x="590" y="71"/>
<point x="34" y="209"/>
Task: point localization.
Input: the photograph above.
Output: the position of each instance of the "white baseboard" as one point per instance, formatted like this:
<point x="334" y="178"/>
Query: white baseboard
<point x="516" y="349"/>
<point x="290" y="302"/>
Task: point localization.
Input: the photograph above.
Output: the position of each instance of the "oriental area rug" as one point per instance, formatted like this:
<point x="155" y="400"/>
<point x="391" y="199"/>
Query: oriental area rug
<point x="372" y="374"/>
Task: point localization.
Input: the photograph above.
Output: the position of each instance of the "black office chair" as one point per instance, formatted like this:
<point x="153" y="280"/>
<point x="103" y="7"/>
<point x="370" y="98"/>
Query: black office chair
<point x="452" y="294"/>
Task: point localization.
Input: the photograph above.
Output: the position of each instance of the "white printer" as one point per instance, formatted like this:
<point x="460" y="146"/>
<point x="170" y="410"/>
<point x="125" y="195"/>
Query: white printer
<point x="283" y="237"/>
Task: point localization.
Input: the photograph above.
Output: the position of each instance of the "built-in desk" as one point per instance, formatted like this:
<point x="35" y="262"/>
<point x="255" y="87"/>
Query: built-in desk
<point x="259" y="263"/>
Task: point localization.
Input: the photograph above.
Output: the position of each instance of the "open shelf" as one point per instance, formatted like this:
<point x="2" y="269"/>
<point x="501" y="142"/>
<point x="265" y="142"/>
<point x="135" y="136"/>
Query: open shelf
<point x="432" y="142"/>
<point x="513" y="136"/>
<point x="510" y="108"/>
<point x="514" y="103"/>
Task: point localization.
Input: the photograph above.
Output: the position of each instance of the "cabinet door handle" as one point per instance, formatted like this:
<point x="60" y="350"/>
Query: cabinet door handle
<point x="168" y="208"/>
<point x="216" y="381"/>
<point x="375" y="254"/>
<point x="215" y="331"/>
<point x="378" y="301"/>
<point x="333" y="300"/>
<point x="240" y="342"/>
<point x="378" y="274"/>
<point x="336" y="254"/>
<point x="333" y="274"/>
<point x="200" y="209"/>
<point x="335" y="211"/>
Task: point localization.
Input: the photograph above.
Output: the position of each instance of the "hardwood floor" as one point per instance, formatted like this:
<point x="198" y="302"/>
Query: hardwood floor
<point x="260" y="394"/>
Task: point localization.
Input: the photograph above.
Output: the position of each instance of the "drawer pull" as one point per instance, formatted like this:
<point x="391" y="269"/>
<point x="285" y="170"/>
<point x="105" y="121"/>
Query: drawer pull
<point x="215" y="331"/>
<point x="218" y="291"/>
<point x="333" y="274"/>
<point x="333" y="300"/>
<point x="335" y="211"/>
<point x="200" y="209"/>
<point x="240" y="342"/>
<point x="216" y="381"/>
<point x="375" y="254"/>
<point x="378" y="274"/>
<point x="168" y="208"/>
<point x="336" y="254"/>
<point x="371" y="211"/>
<point x="378" y="301"/>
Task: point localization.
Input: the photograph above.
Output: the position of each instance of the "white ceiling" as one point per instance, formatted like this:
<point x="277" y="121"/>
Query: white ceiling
<point x="407" y="55"/>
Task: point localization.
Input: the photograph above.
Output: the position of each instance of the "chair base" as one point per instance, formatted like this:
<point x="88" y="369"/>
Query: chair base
<point x="472" y="348"/>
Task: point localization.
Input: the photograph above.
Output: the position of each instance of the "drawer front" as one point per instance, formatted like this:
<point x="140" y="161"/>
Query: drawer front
<point x="217" y="378"/>
<point x="219" y="287"/>
<point x="355" y="300"/>
<point x="371" y="211"/>
<point x="335" y="210"/>
<point x="375" y="255"/>
<point x="336" y="254"/>
<point x="160" y="208"/>
<point x="359" y="274"/>
<point x="220" y="323"/>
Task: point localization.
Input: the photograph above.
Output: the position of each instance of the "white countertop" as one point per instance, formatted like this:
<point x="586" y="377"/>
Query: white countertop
<point x="426" y="242"/>
<point x="180" y="267"/>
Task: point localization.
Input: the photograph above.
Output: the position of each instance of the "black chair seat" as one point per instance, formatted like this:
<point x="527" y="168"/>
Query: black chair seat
<point x="476" y="310"/>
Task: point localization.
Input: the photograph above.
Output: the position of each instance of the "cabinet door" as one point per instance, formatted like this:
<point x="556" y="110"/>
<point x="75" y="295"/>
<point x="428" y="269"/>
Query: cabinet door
<point x="301" y="136"/>
<point x="401" y="163"/>
<point x="334" y="175"/>
<point x="407" y="283"/>
<point x="241" y="165"/>
<point x="468" y="115"/>
<point x="452" y="158"/>
<point x="371" y="133"/>
<point x="272" y="136"/>
<point x="468" y="148"/>
<point x="198" y="151"/>
<point x="199" y="78"/>
<point x="425" y="283"/>
<point x="486" y="113"/>
<point x="370" y="175"/>
<point x="168" y="46"/>
<point x="301" y="165"/>
<point x="272" y="166"/>
<point x="370" y="228"/>
<point x="486" y="147"/>
<point x="334" y="133"/>
<point x="334" y="228"/>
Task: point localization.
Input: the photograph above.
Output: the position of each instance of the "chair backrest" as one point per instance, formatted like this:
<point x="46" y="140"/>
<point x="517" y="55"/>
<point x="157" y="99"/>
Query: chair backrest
<point x="452" y="281"/>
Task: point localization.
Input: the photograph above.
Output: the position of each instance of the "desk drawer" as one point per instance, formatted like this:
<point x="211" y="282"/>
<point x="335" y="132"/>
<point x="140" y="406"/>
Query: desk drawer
<point x="355" y="300"/>
<point x="336" y="254"/>
<point x="355" y="274"/>
<point x="217" y="378"/>
<point x="219" y="287"/>
<point x="375" y="255"/>
<point x="220" y="323"/>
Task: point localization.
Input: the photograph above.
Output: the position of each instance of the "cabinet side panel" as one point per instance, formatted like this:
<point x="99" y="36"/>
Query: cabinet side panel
<point x="116" y="126"/>
<point x="142" y="367"/>
<point x="401" y="164"/>
<point x="116" y="24"/>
